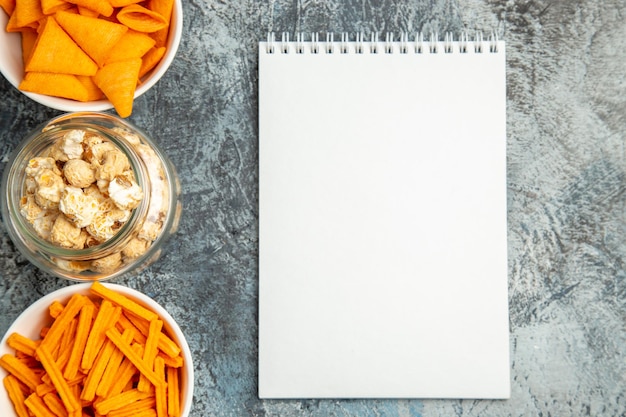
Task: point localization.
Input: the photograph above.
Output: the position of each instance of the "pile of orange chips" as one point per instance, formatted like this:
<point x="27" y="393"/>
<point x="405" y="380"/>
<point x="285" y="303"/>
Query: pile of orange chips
<point x="88" y="50"/>
<point x="103" y="355"/>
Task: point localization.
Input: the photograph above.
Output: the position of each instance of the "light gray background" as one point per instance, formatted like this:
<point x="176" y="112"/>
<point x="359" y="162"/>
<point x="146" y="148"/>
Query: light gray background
<point x="566" y="111"/>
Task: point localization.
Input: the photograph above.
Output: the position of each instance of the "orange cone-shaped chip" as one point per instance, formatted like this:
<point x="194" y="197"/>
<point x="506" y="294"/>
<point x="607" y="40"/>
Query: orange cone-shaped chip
<point x="132" y="45"/>
<point x="27" y="12"/>
<point x="93" y="91"/>
<point x="51" y="6"/>
<point x="164" y="8"/>
<point x="58" y="85"/>
<point x="118" y="82"/>
<point x="141" y="19"/>
<point x="150" y="60"/>
<point x="54" y="51"/>
<point x="95" y="36"/>
<point x="8" y="6"/>
<point x="28" y="41"/>
<point x="103" y="7"/>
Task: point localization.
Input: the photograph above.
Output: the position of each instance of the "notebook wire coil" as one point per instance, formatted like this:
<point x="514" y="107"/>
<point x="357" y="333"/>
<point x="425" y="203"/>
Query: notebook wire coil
<point x="403" y="44"/>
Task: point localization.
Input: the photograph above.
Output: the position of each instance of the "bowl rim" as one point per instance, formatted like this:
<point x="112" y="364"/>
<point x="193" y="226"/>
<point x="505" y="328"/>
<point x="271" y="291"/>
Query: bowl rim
<point x="25" y="320"/>
<point x="68" y="105"/>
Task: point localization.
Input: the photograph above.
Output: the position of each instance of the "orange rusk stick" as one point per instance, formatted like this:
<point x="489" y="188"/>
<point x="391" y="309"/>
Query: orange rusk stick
<point x="173" y="392"/>
<point x="105" y="319"/>
<point x="52" y="338"/>
<point x="82" y="332"/>
<point x="135" y="408"/>
<point x="23" y="373"/>
<point x="55" y="308"/>
<point x="125" y="323"/>
<point x="108" y="377"/>
<point x="160" y="391"/>
<point x="36" y="405"/>
<point x="65" y="392"/>
<point x="96" y="371"/>
<point x="69" y="335"/>
<point x="176" y="362"/>
<point x="123" y="301"/>
<point x="166" y="345"/>
<point x="44" y="388"/>
<point x="22" y="344"/>
<point x="114" y="335"/>
<point x="12" y="385"/>
<point x="55" y="404"/>
<point x="150" y="351"/>
<point x="120" y="400"/>
<point x="125" y="373"/>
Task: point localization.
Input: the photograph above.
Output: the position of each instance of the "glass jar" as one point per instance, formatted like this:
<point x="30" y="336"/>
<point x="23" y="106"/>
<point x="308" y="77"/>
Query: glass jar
<point x="133" y="237"/>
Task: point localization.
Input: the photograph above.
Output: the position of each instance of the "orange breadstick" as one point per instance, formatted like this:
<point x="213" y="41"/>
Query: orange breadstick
<point x="125" y="373"/>
<point x="116" y="338"/>
<point x="108" y="377"/>
<point x="12" y="385"/>
<point x="54" y="403"/>
<point x="22" y="344"/>
<point x="68" y="337"/>
<point x="160" y="391"/>
<point x="52" y="338"/>
<point x="36" y="405"/>
<point x="82" y="332"/>
<point x="120" y="400"/>
<point x="176" y="362"/>
<point x="23" y="373"/>
<point x="134" y="409"/>
<point x="125" y="323"/>
<point x="106" y="318"/>
<point x="69" y="400"/>
<point x="56" y="307"/>
<point x="173" y="392"/>
<point x="166" y="345"/>
<point x="150" y="351"/>
<point x="96" y="371"/>
<point x="126" y="303"/>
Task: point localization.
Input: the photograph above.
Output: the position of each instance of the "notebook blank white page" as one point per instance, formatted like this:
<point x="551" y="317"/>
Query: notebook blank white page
<point x="383" y="240"/>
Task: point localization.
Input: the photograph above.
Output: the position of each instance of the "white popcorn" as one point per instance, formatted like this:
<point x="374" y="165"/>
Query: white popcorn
<point x="135" y="248"/>
<point x="39" y="163"/>
<point x="65" y="234"/>
<point x="82" y="190"/>
<point x="106" y="224"/>
<point x="72" y="144"/>
<point x="108" y="263"/>
<point x="95" y="152"/>
<point x="79" y="173"/>
<point x="29" y="209"/>
<point x="125" y="193"/>
<point x="132" y="138"/>
<point x="49" y="185"/>
<point x="78" y="207"/>
<point x="43" y="224"/>
<point x="112" y="164"/>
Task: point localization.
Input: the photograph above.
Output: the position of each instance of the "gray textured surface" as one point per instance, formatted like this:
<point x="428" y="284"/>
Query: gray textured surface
<point x="566" y="66"/>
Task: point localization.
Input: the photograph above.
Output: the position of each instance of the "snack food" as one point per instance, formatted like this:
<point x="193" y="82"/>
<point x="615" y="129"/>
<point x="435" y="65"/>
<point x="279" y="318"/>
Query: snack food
<point x="37" y="380"/>
<point x="66" y="43"/>
<point x="86" y="184"/>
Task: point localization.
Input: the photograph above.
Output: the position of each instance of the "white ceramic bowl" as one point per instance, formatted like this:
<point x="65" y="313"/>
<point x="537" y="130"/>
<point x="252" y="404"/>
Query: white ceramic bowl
<point x="30" y="322"/>
<point x="12" y="67"/>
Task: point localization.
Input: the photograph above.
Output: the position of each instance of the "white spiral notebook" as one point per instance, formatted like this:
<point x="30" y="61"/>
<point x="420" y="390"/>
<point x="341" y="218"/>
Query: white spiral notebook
<point x="383" y="236"/>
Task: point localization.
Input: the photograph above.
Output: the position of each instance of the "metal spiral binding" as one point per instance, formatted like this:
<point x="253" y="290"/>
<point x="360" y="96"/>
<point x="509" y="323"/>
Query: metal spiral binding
<point x="389" y="45"/>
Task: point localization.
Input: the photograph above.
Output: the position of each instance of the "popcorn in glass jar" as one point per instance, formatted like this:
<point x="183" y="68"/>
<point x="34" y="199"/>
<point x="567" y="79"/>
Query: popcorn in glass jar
<point x="89" y="196"/>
